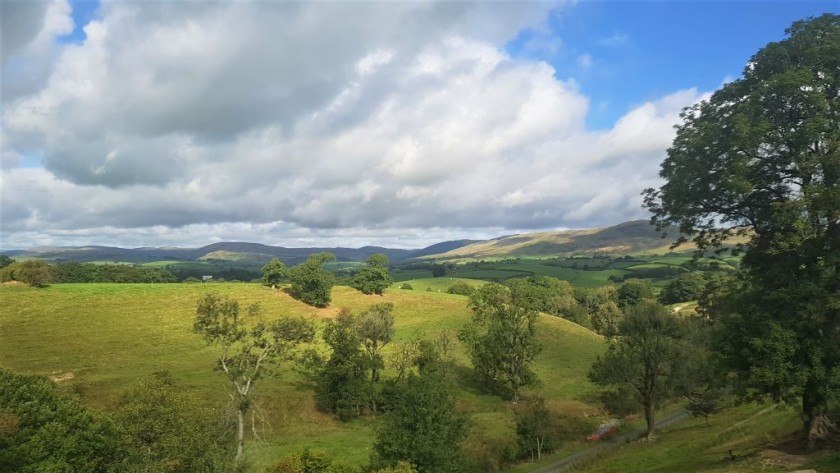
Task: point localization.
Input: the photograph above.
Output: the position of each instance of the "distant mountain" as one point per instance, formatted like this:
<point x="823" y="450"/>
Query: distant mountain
<point x="442" y="247"/>
<point x="629" y="237"/>
<point x="625" y="238"/>
<point x="250" y="253"/>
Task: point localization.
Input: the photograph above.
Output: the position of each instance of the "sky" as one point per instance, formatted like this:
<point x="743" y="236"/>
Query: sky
<point x="350" y="123"/>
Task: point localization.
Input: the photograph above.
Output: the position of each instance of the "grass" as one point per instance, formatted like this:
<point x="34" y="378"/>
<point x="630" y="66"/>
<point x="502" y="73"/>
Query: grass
<point x="748" y="431"/>
<point x="108" y="335"/>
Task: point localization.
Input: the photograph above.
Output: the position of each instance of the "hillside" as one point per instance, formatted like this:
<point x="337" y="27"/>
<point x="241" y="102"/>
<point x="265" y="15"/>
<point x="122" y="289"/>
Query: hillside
<point x="97" y="338"/>
<point x="625" y="238"/>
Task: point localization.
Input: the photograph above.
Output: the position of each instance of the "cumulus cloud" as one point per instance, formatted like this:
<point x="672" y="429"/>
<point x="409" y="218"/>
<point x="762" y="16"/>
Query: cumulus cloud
<point x="398" y="123"/>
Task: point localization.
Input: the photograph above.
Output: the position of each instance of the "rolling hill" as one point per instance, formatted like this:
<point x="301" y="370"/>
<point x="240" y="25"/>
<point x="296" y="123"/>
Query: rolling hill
<point x="625" y="238"/>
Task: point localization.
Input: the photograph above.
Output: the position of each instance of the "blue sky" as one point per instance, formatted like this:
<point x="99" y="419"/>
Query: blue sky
<point x="350" y="123"/>
<point x="642" y="49"/>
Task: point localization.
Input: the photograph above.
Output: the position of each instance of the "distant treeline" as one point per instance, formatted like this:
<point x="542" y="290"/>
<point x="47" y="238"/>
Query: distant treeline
<point x="39" y="273"/>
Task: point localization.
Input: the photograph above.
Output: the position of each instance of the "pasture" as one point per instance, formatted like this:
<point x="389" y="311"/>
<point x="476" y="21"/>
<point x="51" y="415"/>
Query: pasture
<point x="96" y="338"/>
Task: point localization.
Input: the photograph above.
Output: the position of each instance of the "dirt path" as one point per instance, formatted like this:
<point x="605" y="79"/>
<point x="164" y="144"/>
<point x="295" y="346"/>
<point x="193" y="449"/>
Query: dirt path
<point x="583" y="456"/>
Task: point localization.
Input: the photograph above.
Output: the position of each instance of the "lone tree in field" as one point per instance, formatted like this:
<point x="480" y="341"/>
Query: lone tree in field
<point x="311" y="283"/>
<point x="761" y="159"/>
<point x="374" y="278"/>
<point x="644" y="359"/>
<point x="501" y="339"/>
<point x="250" y="348"/>
<point x="274" y="271"/>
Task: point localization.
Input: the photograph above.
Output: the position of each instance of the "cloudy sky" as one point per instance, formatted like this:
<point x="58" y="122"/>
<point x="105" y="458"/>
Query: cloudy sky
<point x="151" y="123"/>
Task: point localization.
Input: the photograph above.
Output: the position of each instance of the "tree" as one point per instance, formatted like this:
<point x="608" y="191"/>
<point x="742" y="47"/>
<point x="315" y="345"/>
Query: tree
<point x="45" y="432"/>
<point x="374" y="277"/>
<point x="438" y="271"/>
<point x="5" y="261"/>
<point x="688" y="287"/>
<point x="376" y="328"/>
<point x="535" y="427"/>
<point x="643" y="359"/>
<point x="168" y="430"/>
<point x="760" y="159"/>
<point x="251" y="349"/>
<point x="544" y="294"/>
<point x="421" y="426"/>
<point x="311" y="283"/>
<point x="274" y="271"/>
<point x="501" y="339"/>
<point x="634" y="291"/>
<point x="341" y="388"/>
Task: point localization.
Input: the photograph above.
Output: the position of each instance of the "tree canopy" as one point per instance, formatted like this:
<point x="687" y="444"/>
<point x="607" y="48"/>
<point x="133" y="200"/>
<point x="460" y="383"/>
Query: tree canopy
<point x="761" y="159"/>
<point x="311" y="283"/>
<point x="374" y="277"/>
<point x="501" y="339"/>
<point x="644" y="359"/>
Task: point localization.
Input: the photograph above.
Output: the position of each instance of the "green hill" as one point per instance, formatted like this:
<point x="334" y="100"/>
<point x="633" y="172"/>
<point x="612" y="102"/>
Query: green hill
<point x="96" y="338"/>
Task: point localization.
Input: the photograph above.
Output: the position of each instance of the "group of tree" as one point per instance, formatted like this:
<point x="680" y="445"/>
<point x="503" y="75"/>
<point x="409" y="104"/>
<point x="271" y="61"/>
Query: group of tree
<point x="311" y="283"/>
<point x="760" y="159"/>
<point x="420" y="424"/>
<point x="155" y="426"/>
<point x="40" y="273"/>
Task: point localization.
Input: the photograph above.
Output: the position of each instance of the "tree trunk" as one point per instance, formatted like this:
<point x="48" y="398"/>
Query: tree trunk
<point x="240" y="440"/>
<point x="649" y="419"/>
<point x="816" y="426"/>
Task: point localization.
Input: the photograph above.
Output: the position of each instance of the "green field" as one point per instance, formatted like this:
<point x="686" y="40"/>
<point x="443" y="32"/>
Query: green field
<point x="107" y="335"/>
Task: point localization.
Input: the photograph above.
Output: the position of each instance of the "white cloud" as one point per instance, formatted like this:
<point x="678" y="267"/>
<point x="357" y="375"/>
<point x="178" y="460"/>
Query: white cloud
<point x="185" y="123"/>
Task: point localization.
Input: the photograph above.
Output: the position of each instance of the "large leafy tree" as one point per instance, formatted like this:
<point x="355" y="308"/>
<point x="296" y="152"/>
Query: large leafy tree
<point x="167" y="429"/>
<point x="421" y="426"/>
<point x="374" y="277"/>
<point x="341" y="388"/>
<point x="311" y="283"/>
<point x="761" y="159"/>
<point x="41" y="431"/>
<point x="274" y="271"/>
<point x="250" y="348"/>
<point x="644" y="359"/>
<point x="501" y="339"/>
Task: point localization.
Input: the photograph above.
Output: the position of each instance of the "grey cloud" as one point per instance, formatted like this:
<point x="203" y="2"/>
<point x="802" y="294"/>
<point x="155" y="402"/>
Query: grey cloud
<point x="20" y="22"/>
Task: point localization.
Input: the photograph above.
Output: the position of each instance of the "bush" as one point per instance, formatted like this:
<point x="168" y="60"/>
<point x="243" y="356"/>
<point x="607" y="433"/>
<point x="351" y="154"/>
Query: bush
<point x="461" y="288"/>
<point x="406" y="286"/>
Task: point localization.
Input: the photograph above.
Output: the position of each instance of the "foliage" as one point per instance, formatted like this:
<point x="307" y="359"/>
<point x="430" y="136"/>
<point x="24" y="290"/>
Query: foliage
<point x="439" y="271"/>
<point x="274" y="271"/>
<point x="421" y="426"/>
<point x="5" y="261"/>
<point x="374" y="277"/>
<point x="341" y="388"/>
<point x="634" y="291"/>
<point x="307" y="461"/>
<point x="534" y="427"/>
<point x="645" y="358"/>
<point x="249" y="350"/>
<point x="34" y="272"/>
<point x="462" y="288"/>
<point x="167" y="430"/>
<point x="759" y="159"/>
<point x="688" y="287"/>
<point x="501" y="339"/>
<point x="406" y="286"/>
<point x="45" y="432"/>
<point x="544" y="294"/>
<point x="311" y="283"/>
<point x="606" y="319"/>
<point x="376" y="329"/>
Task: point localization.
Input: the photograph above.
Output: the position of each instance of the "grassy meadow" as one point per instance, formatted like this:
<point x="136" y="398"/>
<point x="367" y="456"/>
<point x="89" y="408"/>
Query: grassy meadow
<point x="97" y="338"/>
